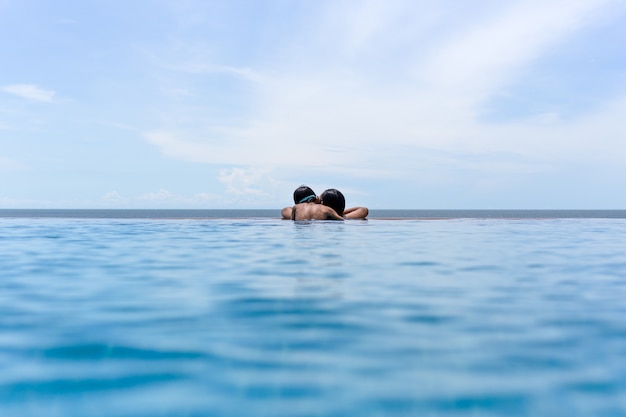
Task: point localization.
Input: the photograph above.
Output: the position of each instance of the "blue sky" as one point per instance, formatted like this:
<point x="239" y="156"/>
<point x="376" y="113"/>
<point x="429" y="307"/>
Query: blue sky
<point x="233" y="104"/>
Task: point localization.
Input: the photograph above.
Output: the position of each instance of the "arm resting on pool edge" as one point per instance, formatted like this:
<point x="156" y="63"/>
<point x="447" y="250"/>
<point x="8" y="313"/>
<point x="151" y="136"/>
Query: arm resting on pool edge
<point x="286" y="213"/>
<point x="356" y="213"/>
<point x="330" y="213"/>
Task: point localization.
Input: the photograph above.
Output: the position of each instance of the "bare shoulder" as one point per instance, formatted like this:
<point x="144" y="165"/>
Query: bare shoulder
<point x="330" y="214"/>
<point x="286" y="213"/>
<point x="305" y="211"/>
<point x="312" y="211"/>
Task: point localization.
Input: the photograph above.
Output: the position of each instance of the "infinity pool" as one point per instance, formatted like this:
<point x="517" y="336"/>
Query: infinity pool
<point x="263" y="317"/>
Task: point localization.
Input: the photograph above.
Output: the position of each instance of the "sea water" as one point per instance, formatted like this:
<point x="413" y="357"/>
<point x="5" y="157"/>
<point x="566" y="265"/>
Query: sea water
<point x="444" y="316"/>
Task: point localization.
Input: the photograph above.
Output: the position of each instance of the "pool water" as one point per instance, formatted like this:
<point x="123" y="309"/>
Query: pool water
<point x="263" y="317"/>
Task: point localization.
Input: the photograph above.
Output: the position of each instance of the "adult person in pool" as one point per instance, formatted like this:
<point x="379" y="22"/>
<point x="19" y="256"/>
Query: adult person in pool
<point x="305" y="197"/>
<point x="334" y="199"/>
<point x="303" y="194"/>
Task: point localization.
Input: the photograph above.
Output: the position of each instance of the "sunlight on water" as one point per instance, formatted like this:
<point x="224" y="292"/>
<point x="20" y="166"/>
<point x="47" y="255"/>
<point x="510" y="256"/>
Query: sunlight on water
<point x="457" y="317"/>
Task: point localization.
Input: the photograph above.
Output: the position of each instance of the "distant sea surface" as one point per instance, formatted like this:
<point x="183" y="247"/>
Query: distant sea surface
<point x="238" y="313"/>
<point x="269" y="213"/>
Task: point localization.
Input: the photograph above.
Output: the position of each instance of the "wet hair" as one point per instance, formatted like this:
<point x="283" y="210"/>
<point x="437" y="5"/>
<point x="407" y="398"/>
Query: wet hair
<point x="334" y="199"/>
<point x="303" y="194"/>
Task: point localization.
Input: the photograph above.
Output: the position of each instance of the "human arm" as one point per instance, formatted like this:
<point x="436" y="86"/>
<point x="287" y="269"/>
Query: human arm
<point x="330" y="213"/>
<point x="286" y="213"/>
<point x="356" y="213"/>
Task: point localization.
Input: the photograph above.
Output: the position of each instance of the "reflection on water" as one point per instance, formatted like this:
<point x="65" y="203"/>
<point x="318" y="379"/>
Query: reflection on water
<point x="275" y="318"/>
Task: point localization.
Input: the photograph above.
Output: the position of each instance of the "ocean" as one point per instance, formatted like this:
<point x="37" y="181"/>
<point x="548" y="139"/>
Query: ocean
<point x="275" y="213"/>
<point x="239" y="313"/>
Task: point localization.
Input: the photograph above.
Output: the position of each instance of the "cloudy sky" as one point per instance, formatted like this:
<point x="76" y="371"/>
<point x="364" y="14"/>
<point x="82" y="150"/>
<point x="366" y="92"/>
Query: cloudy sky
<point x="233" y="104"/>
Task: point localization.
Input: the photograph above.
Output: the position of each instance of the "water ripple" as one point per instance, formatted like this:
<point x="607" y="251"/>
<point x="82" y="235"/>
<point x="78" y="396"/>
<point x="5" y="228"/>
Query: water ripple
<point x="148" y="317"/>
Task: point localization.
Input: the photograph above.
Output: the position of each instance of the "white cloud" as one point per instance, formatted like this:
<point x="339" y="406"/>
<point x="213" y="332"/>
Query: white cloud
<point x="256" y="146"/>
<point x="30" y="92"/>
<point x="114" y="197"/>
<point x="161" y="195"/>
<point x="244" y="73"/>
<point x="494" y="49"/>
<point x="329" y="104"/>
<point x="390" y="91"/>
<point x="243" y="180"/>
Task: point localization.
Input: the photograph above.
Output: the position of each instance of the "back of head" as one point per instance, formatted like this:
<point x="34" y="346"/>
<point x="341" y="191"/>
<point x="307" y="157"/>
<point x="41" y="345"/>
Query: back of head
<point x="303" y="194"/>
<point x="334" y="199"/>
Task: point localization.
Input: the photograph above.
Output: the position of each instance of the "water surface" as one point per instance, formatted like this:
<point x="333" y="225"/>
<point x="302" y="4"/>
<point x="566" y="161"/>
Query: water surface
<point x="233" y="317"/>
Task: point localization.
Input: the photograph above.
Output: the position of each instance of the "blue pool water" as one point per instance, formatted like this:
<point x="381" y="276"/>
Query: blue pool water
<point x="263" y="317"/>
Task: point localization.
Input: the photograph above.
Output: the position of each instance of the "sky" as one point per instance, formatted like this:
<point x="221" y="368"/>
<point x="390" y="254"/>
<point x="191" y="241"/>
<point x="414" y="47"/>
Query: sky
<point x="400" y="104"/>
